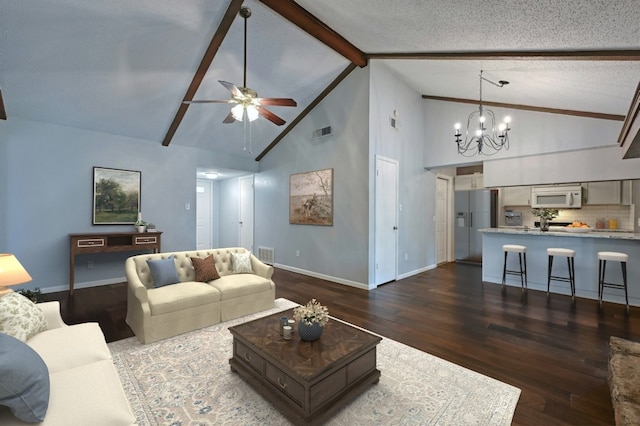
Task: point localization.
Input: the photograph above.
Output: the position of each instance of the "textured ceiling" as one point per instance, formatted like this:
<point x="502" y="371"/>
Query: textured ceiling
<point x="123" y="67"/>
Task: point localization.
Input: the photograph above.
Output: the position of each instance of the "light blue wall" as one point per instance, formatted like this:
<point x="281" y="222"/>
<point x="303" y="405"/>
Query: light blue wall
<point x="339" y="252"/>
<point x="416" y="192"/>
<point x="46" y="184"/>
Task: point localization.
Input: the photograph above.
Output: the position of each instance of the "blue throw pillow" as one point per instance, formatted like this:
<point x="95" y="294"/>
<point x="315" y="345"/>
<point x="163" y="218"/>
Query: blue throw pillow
<point x="163" y="271"/>
<point x="24" y="380"/>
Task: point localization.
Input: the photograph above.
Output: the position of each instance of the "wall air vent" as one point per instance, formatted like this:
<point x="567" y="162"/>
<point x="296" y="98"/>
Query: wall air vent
<point x="322" y="133"/>
<point x="266" y="255"/>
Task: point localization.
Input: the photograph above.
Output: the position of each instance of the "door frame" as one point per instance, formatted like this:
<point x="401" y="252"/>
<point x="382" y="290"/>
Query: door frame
<point x="376" y="233"/>
<point x="449" y="219"/>
<point x="241" y="217"/>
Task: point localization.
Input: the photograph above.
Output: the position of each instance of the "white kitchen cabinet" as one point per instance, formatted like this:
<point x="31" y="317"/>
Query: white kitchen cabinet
<point x="516" y="196"/>
<point x="627" y="192"/>
<point x="468" y="182"/>
<point x="603" y="192"/>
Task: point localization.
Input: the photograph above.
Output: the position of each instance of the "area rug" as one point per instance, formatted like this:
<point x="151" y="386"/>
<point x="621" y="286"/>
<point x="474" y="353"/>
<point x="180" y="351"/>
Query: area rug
<point x="186" y="380"/>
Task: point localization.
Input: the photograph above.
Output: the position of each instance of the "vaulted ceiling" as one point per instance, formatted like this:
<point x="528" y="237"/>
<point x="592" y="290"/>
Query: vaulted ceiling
<point x="125" y="67"/>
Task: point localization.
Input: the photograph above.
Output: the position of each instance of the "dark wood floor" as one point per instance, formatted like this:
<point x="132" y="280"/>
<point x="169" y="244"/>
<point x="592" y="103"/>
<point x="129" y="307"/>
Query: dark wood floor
<point x="555" y="352"/>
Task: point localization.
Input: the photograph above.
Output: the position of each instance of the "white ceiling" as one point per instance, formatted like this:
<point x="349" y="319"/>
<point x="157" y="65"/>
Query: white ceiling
<point x="123" y="67"/>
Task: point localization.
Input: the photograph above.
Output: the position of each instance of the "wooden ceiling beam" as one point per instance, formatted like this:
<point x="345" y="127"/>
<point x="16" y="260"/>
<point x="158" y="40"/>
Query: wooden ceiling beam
<point x="300" y="17"/>
<point x="587" y="114"/>
<point x="308" y="109"/>
<point x="216" y="41"/>
<point x="3" y="112"/>
<point x="546" y="55"/>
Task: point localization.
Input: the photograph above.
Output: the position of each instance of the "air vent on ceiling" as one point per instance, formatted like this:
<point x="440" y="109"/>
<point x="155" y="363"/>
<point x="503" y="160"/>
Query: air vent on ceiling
<point x="322" y="133"/>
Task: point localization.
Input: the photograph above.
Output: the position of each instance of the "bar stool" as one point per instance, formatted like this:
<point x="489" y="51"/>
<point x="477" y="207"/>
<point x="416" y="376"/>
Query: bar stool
<point x="522" y="251"/>
<point x="613" y="256"/>
<point x="570" y="255"/>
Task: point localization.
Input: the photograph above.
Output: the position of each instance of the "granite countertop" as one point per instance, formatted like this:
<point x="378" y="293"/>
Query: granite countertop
<point x="617" y="235"/>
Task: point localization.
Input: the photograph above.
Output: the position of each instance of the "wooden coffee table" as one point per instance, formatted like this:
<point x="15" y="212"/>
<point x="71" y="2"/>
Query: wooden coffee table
<point x="307" y="381"/>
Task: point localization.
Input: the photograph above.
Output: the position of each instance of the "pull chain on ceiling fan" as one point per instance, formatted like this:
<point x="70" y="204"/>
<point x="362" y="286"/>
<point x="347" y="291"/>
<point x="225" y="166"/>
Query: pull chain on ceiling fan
<point x="248" y="105"/>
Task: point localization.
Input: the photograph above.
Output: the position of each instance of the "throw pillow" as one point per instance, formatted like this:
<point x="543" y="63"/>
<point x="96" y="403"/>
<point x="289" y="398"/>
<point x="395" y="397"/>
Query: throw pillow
<point x="20" y="317"/>
<point x="163" y="271"/>
<point x="24" y="380"/>
<point x="205" y="268"/>
<point x="241" y="263"/>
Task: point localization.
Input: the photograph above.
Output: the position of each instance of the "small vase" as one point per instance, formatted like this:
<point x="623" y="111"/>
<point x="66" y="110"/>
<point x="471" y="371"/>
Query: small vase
<point x="309" y="333"/>
<point x="140" y="228"/>
<point x="544" y="224"/>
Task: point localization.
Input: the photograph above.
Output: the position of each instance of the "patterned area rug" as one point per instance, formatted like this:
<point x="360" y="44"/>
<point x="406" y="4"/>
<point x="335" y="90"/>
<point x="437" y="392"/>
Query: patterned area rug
<point x="186" y="380"/>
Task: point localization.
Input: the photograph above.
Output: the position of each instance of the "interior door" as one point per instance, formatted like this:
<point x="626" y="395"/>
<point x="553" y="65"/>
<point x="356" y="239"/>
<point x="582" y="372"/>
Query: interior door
<point x="442" y="222"/>
<point x="204" y="216"/>
<point x="245" y="222"/>
<point x="386" y="220"/>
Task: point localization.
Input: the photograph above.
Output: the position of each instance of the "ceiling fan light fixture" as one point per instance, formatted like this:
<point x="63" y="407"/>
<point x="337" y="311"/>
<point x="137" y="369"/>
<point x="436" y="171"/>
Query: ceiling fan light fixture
<point x="239" y="110"/>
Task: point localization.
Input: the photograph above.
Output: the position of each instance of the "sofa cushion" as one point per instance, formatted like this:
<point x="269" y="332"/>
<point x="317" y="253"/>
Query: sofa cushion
<point x="241" y="263"/>
<point x="20" y="317"/>
<point x="24" y="380"/>
<point x="181" y="296"/>
<point x="205" y="268"/>
<point x="71" y="346"/>
<point x="232" y="286"/>
<point x="163" y="271"/>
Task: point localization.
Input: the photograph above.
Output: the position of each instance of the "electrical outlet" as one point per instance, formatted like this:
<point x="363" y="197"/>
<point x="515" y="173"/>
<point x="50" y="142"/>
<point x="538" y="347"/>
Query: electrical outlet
<point x="297" y="253"/>
<point x="90" y="264"/>
<point x="406" y="256"/>
<point x="639" y="221"/>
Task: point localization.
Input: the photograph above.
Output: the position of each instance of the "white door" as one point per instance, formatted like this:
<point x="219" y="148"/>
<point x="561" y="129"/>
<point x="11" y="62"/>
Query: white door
<point x="204" y="216"/>
<point x="386" y="220"/>
<point x="442" y="220"/>
<point x="246" y="212"/>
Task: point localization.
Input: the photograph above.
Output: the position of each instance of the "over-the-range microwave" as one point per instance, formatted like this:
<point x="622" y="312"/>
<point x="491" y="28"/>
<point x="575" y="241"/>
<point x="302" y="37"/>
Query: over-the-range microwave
<point x="556" y="197"/>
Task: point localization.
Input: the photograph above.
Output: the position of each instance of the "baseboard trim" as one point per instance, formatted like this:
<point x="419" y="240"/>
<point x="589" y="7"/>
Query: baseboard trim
<point x="85" y="284"/>
<point x="323" y="277"/>
<point x="416" y="272"/>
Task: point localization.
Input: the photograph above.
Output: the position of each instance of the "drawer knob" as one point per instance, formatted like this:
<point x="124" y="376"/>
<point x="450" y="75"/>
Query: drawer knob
<point x="247" y="357"/>
<point x="282" y="385"/>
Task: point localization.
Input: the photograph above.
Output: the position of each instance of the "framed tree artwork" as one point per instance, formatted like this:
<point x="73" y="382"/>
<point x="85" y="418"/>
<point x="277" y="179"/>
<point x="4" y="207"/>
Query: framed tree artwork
<point x="311" y="198"/>
<point x="116" y="196"/>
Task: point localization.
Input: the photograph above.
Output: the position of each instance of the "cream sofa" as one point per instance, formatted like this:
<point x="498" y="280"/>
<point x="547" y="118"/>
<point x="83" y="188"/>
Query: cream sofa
<point x="85" y="388"/>
<point x="158" y="313"/>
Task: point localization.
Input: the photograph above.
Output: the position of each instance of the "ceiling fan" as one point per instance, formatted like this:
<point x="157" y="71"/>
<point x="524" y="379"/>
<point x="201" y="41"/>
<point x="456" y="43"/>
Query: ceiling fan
<point x="248" y="105"/>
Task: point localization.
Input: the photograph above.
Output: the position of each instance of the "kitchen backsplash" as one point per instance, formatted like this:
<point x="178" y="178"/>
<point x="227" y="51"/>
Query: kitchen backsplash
<point x="589" y="214"/>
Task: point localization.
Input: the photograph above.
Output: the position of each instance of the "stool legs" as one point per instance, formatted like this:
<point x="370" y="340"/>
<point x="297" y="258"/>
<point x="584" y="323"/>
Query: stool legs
<point x="571" y="279"/>
<point x="523" y="270"/>
<point x="602" y="266"/>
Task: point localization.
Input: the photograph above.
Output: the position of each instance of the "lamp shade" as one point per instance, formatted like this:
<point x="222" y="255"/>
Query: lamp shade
<point x="11" y="272"/>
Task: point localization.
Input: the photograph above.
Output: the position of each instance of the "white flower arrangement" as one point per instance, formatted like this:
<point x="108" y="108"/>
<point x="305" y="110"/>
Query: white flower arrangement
<point x="312" y="312"/>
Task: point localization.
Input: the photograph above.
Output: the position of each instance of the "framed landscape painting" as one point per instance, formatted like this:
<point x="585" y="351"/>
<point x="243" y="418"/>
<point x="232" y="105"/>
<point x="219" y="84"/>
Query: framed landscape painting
<point x="311" y="198"/>
<point x="116" y="196"/>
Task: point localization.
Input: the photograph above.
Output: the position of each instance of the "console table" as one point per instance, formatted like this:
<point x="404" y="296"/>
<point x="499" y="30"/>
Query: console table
<point x="109" y="243"/>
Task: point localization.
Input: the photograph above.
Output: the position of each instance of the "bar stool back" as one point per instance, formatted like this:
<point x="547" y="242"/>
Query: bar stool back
<point x="570" y="255"/>
<point x="522" y="252"/>
<point x="613" y="256"/>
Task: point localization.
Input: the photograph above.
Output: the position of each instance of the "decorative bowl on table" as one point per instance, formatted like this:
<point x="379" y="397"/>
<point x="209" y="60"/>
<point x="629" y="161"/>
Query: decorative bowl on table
<point x="578" y="230"/>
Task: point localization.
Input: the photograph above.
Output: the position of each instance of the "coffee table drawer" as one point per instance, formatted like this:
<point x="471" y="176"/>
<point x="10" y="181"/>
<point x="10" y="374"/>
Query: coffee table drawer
<point x="361" y="366"/>
<point x="328" y="388"/>
<point x="243" y="353"/>
<point x="286" y="384"/>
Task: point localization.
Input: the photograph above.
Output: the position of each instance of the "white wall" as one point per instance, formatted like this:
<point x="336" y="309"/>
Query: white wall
<point x="533" y="133"/>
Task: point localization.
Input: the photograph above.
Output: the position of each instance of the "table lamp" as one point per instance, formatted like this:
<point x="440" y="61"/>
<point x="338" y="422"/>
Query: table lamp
<point x="11" y="273"/>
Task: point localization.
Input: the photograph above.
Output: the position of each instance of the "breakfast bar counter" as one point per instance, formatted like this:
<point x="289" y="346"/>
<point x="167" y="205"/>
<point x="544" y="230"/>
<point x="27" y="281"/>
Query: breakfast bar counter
<point x="587" y="245"/>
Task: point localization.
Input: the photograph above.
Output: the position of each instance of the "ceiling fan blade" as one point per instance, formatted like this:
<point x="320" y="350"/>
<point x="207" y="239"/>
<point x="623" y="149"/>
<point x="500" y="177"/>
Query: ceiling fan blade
<point x="229" y="119"/>
<point x="277" y="101"/>
<point x="270" y="116"/>
<point x="232" y="88"/>
<point x="212" y="101"/>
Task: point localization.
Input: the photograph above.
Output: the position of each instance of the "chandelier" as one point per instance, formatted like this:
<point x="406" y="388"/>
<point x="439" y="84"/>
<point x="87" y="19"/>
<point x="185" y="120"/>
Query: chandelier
<point x="483" y="140"/>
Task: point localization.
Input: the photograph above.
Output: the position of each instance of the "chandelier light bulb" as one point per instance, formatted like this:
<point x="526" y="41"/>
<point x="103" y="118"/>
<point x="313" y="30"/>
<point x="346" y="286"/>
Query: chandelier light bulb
<point x="502" y="127"/>
<point x="457" y="126"/>
<point x="478" y="132"/>
<point x="482" y="119"/>
<point x="507" y="119"/>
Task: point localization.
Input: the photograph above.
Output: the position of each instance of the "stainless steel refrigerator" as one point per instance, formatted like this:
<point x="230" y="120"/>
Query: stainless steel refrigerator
<point x="474" y="210"/>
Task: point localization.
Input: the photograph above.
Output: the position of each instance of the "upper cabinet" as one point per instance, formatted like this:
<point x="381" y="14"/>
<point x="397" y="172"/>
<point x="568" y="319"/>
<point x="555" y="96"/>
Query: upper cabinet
<point x="602" y="192"/>
<point x="468" y="182"/>
<point x="516" y="196"/>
